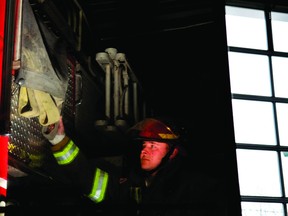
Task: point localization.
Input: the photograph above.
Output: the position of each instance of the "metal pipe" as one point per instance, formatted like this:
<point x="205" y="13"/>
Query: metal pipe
<point x="107" y="90"/>
<point x="116" y="90"/>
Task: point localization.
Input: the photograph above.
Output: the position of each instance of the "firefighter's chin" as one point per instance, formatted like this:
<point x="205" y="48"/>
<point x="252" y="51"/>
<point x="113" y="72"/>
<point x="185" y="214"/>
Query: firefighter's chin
<point x="146" y="165"/>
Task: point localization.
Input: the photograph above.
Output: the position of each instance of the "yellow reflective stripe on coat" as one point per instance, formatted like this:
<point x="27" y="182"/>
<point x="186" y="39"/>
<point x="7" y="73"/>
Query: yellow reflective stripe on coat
<point x="99" y="186"/>
<point x="68" y="154"/>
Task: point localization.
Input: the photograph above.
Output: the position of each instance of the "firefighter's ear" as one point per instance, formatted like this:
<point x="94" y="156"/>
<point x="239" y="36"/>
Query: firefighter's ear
<point x="174" y="153"/>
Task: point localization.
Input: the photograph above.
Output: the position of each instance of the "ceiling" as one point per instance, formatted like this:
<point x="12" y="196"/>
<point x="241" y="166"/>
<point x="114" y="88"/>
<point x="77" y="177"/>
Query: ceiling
<point x="118" y="19"/>
<point x="115" y="19"/>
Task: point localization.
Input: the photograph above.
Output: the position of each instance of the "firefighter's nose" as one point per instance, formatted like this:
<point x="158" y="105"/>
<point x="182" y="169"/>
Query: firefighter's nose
<point x="144" y="151"/>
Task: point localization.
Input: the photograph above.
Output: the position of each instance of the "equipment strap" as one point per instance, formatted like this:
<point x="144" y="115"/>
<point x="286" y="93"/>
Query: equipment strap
<point x="49" y="113"/>
<point x="27" y="105"/>
<point x="35" y="103"/>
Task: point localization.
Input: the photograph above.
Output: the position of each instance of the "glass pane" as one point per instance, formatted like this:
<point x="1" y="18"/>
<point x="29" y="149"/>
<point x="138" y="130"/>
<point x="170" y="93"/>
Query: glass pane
<point x="284" y="157"/>
<point x="282" y="119"/>
<point x="279" y="22"/>
<point x="262" y="209"/>
<point x="249" y="74"/>
<point x="280" y="76"/>
<point x="258" y="173"/>
<point x="253" y="122"/>
<point x="246" y="28"/>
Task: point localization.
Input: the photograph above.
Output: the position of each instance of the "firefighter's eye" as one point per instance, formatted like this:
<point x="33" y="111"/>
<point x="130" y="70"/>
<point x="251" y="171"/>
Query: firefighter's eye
<point x="153" y="146"/>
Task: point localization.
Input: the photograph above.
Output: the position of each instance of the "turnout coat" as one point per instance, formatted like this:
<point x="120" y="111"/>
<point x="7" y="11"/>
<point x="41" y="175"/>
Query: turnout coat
<point x="175" y="190"/>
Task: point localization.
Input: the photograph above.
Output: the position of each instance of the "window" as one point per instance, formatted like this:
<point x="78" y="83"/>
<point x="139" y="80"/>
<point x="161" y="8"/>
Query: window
<point x="257" y="42"/>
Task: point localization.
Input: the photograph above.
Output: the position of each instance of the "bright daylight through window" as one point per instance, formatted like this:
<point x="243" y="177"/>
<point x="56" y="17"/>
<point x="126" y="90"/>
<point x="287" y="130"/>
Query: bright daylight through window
<point x="258" y="66"/>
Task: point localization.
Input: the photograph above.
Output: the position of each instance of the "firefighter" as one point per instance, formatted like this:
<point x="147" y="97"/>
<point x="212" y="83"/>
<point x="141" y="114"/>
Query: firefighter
<point x="160" y="181"/>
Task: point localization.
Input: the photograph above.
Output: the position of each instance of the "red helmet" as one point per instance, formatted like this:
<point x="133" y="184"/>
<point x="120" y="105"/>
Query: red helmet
<point x="153" y="129"/>
<point x="161" y="130"/>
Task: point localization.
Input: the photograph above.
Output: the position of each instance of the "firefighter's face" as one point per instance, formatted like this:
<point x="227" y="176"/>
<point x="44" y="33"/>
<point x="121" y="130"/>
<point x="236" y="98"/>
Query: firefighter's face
<point x="152" y="154"/>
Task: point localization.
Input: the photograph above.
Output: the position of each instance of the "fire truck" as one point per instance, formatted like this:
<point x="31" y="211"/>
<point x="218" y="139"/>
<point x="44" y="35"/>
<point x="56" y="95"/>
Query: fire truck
<point x="53" y="65"/>
<point x="46" y="73"/>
